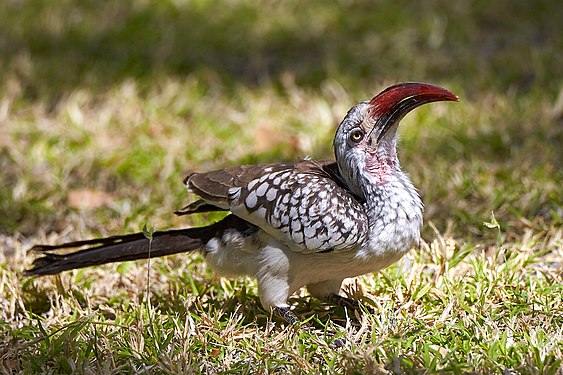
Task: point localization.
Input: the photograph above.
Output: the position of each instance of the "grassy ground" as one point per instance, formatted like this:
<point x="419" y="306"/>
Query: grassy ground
<point x="105" y="105"/>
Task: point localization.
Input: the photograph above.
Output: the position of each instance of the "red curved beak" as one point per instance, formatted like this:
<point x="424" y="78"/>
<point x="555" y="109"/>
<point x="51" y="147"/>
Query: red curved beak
<point x="392" y="104"/>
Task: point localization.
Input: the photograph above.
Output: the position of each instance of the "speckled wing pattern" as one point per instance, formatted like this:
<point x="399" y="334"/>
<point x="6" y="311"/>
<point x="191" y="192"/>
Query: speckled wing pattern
<point x="301" y="204"/>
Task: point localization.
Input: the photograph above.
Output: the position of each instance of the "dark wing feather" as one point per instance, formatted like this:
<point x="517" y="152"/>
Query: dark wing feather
<point x="214" y="186"/>
<point x="302" y="204"/>
<point x="197" y="207"/>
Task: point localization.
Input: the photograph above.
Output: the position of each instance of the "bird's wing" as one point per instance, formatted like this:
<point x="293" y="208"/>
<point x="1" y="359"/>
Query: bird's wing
<point x="301" y="204"/>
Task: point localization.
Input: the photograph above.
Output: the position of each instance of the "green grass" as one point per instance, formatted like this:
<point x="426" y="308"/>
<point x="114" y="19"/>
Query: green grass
<point x="104" y="107"/>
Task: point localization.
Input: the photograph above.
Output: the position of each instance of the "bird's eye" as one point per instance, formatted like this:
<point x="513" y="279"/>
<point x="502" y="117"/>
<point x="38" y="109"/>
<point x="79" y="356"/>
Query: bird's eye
<point x="356" y="135"/>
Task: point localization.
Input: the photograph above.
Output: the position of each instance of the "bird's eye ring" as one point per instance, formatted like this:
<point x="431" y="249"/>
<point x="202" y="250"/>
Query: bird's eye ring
<point x="356" y="135"/>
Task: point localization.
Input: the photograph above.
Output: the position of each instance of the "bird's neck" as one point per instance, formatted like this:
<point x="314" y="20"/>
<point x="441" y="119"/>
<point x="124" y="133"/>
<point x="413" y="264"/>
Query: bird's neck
<point x="389" y="191"/>
<point x="391" y="202"/>
<point x="394" y="211"/>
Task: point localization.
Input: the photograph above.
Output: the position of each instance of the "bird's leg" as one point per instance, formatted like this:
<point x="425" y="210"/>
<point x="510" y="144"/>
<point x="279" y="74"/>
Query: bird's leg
<point x="286" y="314"/>
<point x="274" y="292"/>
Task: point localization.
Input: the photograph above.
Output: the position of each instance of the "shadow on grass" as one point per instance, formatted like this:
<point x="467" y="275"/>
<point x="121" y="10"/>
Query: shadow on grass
<point x="58" y="46"/>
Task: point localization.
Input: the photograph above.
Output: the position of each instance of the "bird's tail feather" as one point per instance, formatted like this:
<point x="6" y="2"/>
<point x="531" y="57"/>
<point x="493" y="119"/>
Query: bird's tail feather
<point x="131" y="246"/>
<point x="116" y="249"/>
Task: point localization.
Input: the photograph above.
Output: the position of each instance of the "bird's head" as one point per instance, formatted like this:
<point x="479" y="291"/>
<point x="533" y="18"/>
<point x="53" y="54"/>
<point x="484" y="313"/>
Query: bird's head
<point x="365" y="142"/>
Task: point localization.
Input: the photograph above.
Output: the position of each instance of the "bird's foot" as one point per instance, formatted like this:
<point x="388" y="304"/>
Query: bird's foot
<point x="350" y="303"/>
<point x="339" y="342"/>
<point x="286" y="314"/>
<point x="289" y="316"/>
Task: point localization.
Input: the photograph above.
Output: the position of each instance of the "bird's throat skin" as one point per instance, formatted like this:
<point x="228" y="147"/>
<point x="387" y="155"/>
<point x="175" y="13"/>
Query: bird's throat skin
<point x="380" y="165"/>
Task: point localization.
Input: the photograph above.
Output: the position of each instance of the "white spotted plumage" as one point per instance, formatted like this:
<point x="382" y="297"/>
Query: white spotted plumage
<point x="306" y="212"/>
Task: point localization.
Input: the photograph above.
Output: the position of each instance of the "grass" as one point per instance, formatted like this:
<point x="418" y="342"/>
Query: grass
<point x="104" y="107"/>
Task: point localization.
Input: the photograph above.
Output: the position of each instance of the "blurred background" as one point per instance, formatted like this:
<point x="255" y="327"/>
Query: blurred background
<point x="104" y="105"/>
